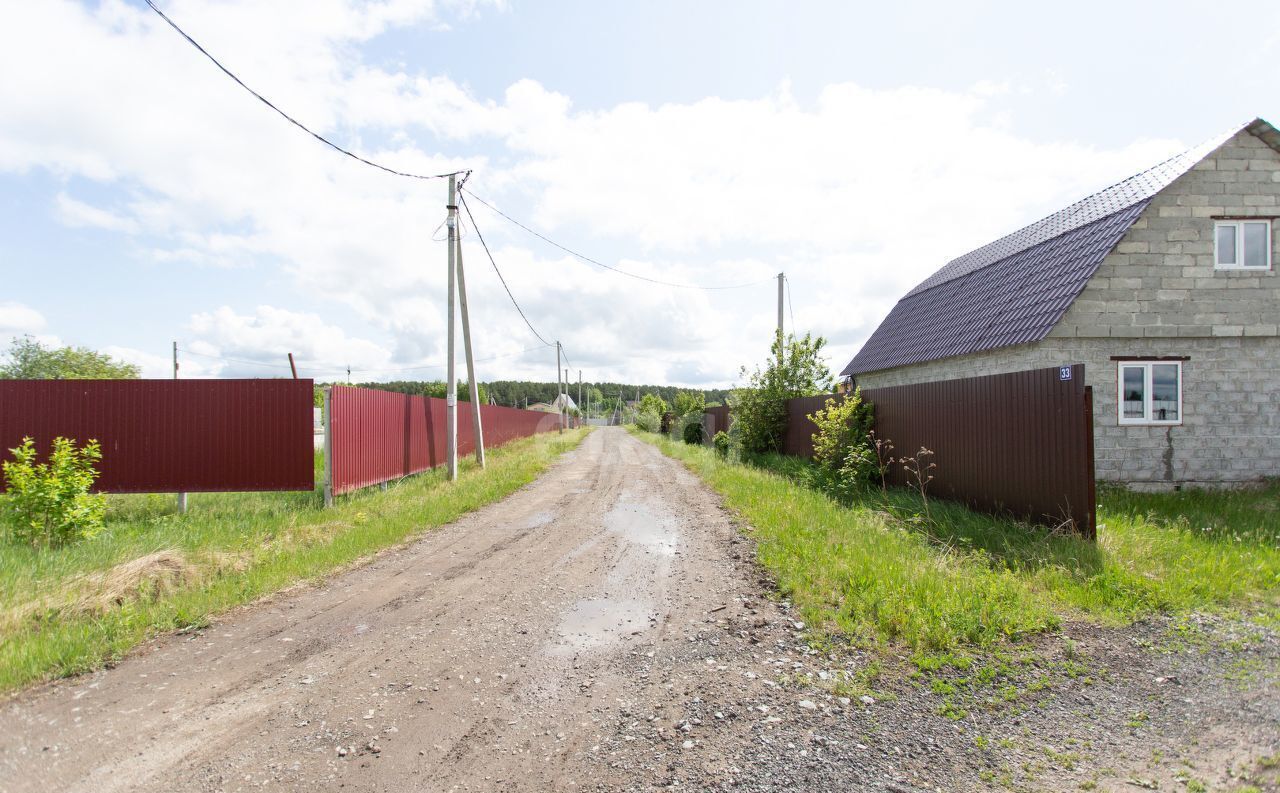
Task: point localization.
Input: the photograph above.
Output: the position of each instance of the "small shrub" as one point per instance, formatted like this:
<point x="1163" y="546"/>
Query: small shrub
<point x="649" y="421"/>
<point x="721" y="443"/>
<point x="693" y="432"/>
<point x="49" y="504"/>
<point x="842" y="445"/>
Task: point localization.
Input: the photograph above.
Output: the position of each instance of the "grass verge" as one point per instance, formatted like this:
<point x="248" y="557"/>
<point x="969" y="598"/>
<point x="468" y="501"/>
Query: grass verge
<point x="74" y="609"/>
<point x="876" y="572"/>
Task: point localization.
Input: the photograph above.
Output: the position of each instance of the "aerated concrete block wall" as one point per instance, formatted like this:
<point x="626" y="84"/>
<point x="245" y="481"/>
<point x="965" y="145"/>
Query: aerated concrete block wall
<point x="1157" y="294"/>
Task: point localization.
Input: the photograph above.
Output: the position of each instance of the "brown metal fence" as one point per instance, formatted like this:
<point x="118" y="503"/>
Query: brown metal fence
<point x="167" y="436"/>
<point x="715" y="420"/>
<point x="1019" y="443"/>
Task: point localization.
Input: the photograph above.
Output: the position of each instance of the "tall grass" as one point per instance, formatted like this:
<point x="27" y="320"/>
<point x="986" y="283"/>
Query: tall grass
<point x="874" y="570"/>
<point x="73" y="609"/>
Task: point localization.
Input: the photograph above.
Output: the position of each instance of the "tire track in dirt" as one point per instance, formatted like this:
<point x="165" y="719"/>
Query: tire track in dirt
<point x="488" y="652"/>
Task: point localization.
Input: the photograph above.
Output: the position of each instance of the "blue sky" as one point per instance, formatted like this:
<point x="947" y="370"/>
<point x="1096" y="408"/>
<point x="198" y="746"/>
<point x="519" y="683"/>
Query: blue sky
<point x="146" y="198"/>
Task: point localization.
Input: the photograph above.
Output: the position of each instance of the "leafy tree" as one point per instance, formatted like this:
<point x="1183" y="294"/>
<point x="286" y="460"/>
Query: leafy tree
<point x="760" y="409"/>
<point x="652" y="403"/>
<point x="28" y="359"/>
<point x="687" y="402"/>
<point x="431" y="388"/>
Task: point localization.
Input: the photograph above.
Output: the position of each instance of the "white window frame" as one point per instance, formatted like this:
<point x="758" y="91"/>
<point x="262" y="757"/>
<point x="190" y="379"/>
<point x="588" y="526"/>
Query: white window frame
<point x="1238" y="223"/>
<point x="1145" y="419"/>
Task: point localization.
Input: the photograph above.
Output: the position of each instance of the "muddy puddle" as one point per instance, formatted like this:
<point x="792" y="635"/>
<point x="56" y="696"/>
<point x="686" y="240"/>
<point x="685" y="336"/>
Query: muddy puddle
<point x="596" y="622"/>
<point x="639" y="524"/>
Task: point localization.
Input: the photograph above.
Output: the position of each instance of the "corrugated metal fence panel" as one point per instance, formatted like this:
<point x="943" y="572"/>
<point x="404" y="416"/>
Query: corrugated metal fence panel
<point x="716" y="420"/>
<point x="1019" y="443"/>
<point x="163" y="436"/>
<point x="378" y="436"/>
<point x="798" y="439"/>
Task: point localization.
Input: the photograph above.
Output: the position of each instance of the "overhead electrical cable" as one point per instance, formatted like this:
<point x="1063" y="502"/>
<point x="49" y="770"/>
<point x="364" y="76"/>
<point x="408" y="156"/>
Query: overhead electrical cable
<point x="288" y="117"/>
<point x="609" y="267"/>
<point x="489" y="253"/>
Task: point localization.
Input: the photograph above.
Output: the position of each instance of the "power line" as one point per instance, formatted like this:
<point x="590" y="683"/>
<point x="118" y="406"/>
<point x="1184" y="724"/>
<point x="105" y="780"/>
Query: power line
<point x="488" y="253"/>
<point x="285" y="115"/>
<point x="609" y="267"/>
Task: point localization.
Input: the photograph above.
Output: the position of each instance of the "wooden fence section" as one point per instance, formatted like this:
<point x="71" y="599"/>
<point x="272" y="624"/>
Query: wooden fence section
<point x="377" y="436"/>
<point x="1019" y="443"/>
<point x="167" y="436"/>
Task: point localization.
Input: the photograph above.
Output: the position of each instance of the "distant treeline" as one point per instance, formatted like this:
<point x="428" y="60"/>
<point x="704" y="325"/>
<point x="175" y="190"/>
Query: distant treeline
<point x="515" y="392"/>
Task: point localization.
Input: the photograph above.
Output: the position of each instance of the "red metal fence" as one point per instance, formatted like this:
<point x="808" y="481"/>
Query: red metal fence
<point x="377" y="436"/>
<point x="1019" y="443"/>
<point x="165" y="436"/>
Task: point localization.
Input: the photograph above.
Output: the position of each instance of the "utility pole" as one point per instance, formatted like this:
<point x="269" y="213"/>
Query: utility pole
<point x="579" y="390"/>
<point x="182" y="497"/>
<point x="558" y="386"/>
<point x="477" y="431"/>
<point x="451" y="386"/>
<point x="293" y="367"/>
<point x="781" y="278"/>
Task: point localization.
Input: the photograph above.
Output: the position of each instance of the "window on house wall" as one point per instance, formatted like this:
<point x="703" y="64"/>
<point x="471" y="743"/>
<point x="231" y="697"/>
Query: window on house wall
<point x="1150" y="392"/>
<point x="1242" y="244"/>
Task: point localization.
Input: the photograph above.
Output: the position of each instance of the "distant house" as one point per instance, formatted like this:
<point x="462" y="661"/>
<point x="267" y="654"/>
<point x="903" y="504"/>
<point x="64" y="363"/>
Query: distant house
<point x="1163" y="285"/>
<point x="563" y="401"/>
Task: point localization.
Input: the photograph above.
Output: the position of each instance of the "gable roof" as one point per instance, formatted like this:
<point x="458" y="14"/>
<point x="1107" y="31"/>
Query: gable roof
<point x="1014" y="290"/>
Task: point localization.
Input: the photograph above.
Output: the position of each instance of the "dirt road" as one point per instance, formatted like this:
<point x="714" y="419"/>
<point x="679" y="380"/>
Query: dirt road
<point x="607" y="628"/>
<point x="479" y="657"/>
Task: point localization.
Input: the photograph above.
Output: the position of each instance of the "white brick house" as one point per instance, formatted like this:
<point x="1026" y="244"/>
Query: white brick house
<point x="1164" y="286"/>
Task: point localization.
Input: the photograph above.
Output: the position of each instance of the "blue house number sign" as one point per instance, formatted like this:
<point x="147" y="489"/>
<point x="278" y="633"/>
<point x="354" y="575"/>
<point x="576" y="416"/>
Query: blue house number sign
<point x="1064" y="372"/>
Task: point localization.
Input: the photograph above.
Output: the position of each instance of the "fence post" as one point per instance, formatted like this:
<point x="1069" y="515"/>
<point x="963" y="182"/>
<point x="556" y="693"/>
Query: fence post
<point x="328" y="446"/>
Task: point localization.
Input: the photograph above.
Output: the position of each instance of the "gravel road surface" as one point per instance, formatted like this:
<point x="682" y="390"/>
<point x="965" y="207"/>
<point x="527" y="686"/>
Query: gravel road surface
<point x="606" y="628"/>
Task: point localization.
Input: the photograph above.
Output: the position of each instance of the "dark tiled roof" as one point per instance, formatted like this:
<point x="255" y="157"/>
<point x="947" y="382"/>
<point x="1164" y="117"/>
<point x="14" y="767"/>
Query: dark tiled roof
<point x="1015" y="300"/>
<point x="1014" y="290"/>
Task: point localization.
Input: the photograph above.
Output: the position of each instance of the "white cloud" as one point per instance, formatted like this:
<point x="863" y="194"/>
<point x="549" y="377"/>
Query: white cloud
<point x="858" y="195"/>
<point x="78" y="214"/>
<point x="17" y="319"/>
<point x="259" y="344"/>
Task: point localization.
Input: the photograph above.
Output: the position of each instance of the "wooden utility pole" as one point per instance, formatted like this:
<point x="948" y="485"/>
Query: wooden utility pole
<point x="182" y="497"/>
<point x="579" y="390"/>
<point x="781" y="279"/>
<point x="477" y="430"/>
<point x="293" y="367"/>
<point x="451" y="386"/>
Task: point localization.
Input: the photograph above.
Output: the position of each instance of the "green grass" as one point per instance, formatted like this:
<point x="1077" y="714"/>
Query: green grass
<point x="74" y="609"/>
<point x="874" y="571"/>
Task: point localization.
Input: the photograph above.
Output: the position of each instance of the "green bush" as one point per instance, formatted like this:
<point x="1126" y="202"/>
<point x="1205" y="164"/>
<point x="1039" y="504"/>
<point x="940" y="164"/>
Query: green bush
<point x="760" y="409"/>
<point x="49" y="504"/>
<point x="842" y="445"/>
<point x="693" y="432"/>
<point x="649" y="421"/>
<point x="721" y="443"/>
